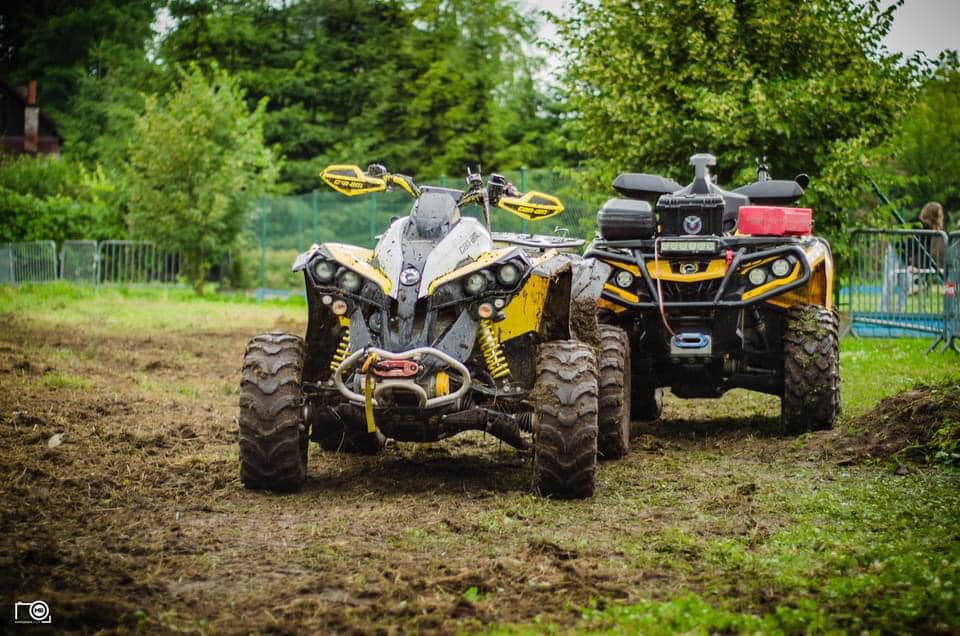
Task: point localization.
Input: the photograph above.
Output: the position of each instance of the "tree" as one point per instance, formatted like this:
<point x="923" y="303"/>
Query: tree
<point x="807" y="84"/>
<point x="926" y="148"/>
<point x="45" y="199"/>
<point x="426" y="88"/>
<point x="61" y="42"/>
<point x="198" y="164"/>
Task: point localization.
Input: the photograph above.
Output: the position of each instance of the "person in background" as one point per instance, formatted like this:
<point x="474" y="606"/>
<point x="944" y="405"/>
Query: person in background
<point x="931" y="216"/>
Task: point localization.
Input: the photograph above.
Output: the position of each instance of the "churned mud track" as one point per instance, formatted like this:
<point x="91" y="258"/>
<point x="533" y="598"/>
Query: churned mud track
<point x="122" y="506"/>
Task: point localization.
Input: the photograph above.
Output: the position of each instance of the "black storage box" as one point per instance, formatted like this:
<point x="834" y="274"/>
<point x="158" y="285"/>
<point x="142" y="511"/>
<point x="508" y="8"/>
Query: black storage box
<point x="626" y="220"/>
<point x="695" y="214"/>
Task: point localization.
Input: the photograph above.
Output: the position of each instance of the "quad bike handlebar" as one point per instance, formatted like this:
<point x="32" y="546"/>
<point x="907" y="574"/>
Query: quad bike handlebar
<point x="350" y="180"/>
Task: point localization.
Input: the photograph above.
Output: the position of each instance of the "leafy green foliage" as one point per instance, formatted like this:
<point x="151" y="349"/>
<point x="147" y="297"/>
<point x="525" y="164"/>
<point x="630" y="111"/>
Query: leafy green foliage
<point x="198" y="164"/>
<point x="63" y="42"/>
<point x="56" y="199"/>
<point x="426" y="88"/>
<point x="806" y="84"/>
<point x="927" y="143"/>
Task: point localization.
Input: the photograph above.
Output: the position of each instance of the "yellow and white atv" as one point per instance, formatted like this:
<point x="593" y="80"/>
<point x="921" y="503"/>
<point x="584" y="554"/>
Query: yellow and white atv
<point x="721" y="289"/>
<point x="443" y="327"/>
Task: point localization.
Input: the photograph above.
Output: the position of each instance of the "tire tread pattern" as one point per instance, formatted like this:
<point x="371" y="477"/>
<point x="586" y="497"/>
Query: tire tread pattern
<point x="811" y="376"/>
<point x="565" y="420"/>
<point x="613" y="373"/>
<point x="273" y="437"/>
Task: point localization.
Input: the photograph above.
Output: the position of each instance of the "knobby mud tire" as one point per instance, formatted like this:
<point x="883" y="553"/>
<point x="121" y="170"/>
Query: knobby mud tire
<point x="273" y="435"/>
<point x="811" y="370"/>
<point x="613" y="372"/>
<point x="565" y="420"/>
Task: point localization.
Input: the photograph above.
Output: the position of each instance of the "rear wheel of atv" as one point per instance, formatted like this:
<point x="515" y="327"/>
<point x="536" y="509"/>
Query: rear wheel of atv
<point x="613" y="371"/>
<point x="565" y="420"/>
<point x="811" y="378"/>
<point x="273" y="435"/>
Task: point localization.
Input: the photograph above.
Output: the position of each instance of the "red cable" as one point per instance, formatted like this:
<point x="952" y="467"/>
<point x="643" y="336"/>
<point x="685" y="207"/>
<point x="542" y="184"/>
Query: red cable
<point x="656" y="264"/>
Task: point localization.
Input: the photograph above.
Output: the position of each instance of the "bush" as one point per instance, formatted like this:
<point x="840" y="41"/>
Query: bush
<point x="43" y="198"/>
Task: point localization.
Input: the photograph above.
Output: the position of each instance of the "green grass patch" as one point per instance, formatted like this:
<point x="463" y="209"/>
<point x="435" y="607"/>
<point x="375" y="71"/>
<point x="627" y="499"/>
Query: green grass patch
<point x="873" y="368"/>
<point x="139" y="309"/>
<point x="57" y="380"/>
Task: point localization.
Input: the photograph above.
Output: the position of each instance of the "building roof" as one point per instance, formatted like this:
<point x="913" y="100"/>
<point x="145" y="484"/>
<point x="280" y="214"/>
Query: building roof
<point x="13" y="104"/>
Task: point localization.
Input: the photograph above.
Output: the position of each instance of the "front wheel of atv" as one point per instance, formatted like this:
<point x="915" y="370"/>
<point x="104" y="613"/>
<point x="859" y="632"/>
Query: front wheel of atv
<point x="565" y="420"/>
<point x="613" y="370"/>
<point x="273" y="435"/>
<point x="811" y="377"/>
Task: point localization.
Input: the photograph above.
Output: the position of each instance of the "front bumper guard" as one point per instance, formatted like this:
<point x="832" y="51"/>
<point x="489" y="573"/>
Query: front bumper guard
<point x="741" y="257"/>
<point x="385" y="386"/>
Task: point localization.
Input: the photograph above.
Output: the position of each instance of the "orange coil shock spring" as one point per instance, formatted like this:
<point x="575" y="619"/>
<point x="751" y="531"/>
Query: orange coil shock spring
<point x="492" y="351"/>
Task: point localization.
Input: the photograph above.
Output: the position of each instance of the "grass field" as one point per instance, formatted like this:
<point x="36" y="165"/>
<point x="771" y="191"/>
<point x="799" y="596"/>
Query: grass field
<point x="714" y="522"/>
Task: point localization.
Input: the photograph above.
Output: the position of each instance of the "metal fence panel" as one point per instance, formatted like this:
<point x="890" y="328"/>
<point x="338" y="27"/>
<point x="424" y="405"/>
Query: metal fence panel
<point x="951" y="303"/>
<point x="135" y="263"/>
<point x="28" y="262"/>
<point x="78" y="261"/>
<point x="6" y="264"/>
<point x="897" y="283"/>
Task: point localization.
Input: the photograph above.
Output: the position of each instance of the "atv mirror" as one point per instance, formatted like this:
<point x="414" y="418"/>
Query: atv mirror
<point x="532" y="206"/>
<point x="351" y="180"/>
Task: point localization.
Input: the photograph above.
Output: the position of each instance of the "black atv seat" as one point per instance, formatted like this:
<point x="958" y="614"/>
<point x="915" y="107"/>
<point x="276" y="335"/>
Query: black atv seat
<point x="646" y="187"/>
<point x="772" y="192"/>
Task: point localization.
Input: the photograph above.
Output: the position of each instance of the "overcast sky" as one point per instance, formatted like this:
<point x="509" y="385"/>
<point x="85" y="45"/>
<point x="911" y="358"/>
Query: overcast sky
<point x="920" y="25"/>
<point x="930" y="26"/>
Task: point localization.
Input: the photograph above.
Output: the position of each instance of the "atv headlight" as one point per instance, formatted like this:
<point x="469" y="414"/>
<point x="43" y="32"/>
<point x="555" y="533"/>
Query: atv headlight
<point x="350" y="281"/>
<point x="475" y="283"/>
<point x="780" y="267"/>
<point x="324" y="271"/>
<point x="623" y="279"/>
<point x="757" y="276"/>
<point x="508" y="275"/>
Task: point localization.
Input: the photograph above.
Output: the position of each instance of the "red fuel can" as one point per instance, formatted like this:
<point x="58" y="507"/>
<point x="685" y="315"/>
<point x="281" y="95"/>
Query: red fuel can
<point x="762" y="220"/>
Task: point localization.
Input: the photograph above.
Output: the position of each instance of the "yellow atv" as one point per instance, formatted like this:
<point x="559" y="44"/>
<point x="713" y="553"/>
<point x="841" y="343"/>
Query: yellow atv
<point x="443" y="327"/>
<point x="721" y="289"/>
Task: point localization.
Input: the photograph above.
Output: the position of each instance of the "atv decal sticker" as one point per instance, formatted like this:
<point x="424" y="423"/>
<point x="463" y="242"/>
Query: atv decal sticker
<point x="467" y="240"/>
<point x="692" y="224"/>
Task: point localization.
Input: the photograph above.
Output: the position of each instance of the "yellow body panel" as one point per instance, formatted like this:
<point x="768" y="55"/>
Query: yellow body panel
<point x="819" y="291"/>
<point x="603" y="303"/>
<point x="715" y="269"/>
<point x="487" y="259"/>
<point x="525" y="311"/>
<point x="622" y="293"/>
<point x="358" y="259"/>
<point x="351" y="180"/>
<point x="532" y="206"/>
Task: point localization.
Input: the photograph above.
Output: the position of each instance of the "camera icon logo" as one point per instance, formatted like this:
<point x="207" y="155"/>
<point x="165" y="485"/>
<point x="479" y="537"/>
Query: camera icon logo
<point x="35" y="612"/>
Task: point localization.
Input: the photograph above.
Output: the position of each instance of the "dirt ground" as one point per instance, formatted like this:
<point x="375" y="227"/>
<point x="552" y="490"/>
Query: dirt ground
<point x="122" y="507"/>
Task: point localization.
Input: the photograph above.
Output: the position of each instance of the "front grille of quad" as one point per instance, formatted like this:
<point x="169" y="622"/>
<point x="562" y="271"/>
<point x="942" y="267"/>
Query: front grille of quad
<point x="703" y="291"/>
